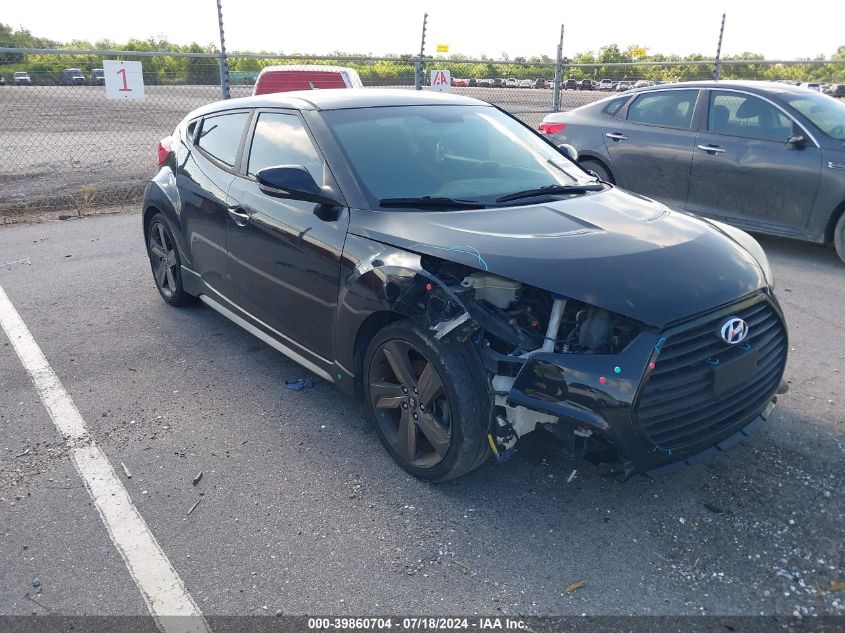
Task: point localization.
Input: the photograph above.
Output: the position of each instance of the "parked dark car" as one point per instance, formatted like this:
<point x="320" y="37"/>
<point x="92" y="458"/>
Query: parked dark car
<point x="767" y="157"/>
<point x="98" y="77"/>
<point x="585" y="84"/>
<point x="73" y="77"/>
<point x="381" y="239"/>
<point x="540" y="83"/>
<point x="472" y="82"/>
<point x="498" y="82"/>
<point x="22" y="78"/>
<point x="570" y="84"/>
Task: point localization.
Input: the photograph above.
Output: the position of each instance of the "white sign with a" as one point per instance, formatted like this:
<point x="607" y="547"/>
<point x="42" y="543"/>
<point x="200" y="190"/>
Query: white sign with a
<point x="441" y="80"/>
<point x="124" y="80"/>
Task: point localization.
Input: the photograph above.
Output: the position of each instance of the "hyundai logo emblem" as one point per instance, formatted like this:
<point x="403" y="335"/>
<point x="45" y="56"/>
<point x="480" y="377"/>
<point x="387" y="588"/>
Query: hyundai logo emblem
<point x="734" y="331"/>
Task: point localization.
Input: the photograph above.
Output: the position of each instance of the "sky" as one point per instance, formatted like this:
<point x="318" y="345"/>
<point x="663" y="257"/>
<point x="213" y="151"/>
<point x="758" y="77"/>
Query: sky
<point x="379" y="27"/>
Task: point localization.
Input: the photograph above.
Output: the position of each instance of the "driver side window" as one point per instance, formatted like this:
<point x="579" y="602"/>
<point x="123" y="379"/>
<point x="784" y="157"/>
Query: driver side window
<point x="281" y="139"/>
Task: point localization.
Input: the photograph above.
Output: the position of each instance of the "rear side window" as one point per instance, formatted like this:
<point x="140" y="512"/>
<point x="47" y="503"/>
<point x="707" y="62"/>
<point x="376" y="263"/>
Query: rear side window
<point x="670" y="108"/>
<point x="220" y="136"/>
<point x="747" y="116"/>
<point x="281" y="139"/>
<point x="614" y="106"/>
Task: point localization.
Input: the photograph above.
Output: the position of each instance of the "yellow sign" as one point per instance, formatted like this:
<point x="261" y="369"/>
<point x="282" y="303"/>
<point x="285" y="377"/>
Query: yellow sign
<point x="442" y="48"/>
<point x="638" y="52"/>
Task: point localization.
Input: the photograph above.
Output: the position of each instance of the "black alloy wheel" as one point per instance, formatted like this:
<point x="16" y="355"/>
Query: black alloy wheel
<point x="164" y="260"/>
<point x="429" y="400"/>
<point x="410" y="403"/>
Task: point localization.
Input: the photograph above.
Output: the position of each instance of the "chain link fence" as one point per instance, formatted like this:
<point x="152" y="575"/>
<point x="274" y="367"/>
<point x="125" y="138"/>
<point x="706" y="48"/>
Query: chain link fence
<point x="65" y="147"/>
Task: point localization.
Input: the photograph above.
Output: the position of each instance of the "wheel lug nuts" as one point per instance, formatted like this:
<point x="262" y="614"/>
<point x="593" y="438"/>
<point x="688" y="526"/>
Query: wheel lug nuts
<point x="404" y="390"/>
<point x="404" y="405"/>
<point x="415" y="390"/>
<point x="415" y="416"/>
<point x="422" y="406"/>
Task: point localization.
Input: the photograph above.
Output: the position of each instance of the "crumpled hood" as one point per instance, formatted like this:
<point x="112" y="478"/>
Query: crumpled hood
<point x="614" y="250"/>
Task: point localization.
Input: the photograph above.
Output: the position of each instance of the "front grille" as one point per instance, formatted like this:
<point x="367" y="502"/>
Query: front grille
<point x="677" y="406"/>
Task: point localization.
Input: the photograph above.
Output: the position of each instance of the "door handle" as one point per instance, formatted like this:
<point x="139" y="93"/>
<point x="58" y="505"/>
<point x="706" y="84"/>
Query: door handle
<point x="713" y="149"/>
<point x="240" y="216"/>
<point x="616" y="136"/>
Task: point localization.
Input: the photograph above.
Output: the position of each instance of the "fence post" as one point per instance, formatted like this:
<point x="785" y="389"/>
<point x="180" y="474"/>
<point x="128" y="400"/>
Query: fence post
<point x="718" y="66"/>
<point x="224" y="65"/>
<point x="558" y="62"/>
<point x="418" y="67"/>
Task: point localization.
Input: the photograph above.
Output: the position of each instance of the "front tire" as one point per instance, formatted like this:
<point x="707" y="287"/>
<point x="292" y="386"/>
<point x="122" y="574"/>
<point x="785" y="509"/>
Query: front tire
<point x="428" y="401"/>
<point x="601" y="171"/>
<point x="165" y="262"/>
<point x="839" y="237"/>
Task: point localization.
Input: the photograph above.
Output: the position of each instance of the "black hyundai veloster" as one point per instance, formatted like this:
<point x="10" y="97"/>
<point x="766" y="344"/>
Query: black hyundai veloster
<point x="435" y="257"/>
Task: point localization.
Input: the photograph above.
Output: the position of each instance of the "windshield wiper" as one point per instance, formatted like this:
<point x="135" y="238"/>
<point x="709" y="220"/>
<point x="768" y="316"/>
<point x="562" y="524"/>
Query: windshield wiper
<point x="432" y="202"/>
<point x="550" y="190"/>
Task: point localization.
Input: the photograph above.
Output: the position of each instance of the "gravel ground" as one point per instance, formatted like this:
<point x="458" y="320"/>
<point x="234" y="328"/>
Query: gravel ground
<point x="69" y="147"/>
<point x="302" y="510"/>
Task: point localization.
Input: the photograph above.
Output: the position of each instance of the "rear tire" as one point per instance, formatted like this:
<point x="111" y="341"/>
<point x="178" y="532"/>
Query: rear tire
<point x="601" y="171"/>
<point x="839" y="237"/>
<point x="165" y="262"/>
<point x="428" y="401"/>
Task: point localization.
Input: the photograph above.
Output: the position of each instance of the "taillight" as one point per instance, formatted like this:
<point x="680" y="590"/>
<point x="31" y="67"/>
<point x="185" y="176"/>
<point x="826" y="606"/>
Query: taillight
<point x="164" y="150"/>
<point x="552" y="128"/>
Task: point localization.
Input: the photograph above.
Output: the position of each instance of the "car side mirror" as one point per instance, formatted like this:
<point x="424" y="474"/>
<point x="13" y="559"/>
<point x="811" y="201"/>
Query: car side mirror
<point x="797" y="141"/>
<point x="569" y="150"/>
<point x="293" y="182"/>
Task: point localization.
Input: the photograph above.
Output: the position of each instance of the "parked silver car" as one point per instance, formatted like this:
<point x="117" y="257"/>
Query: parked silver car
<point x="764" y="156"/>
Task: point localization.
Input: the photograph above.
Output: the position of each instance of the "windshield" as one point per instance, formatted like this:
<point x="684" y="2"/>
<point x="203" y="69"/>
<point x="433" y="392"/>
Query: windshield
<point x="459" y="152"/>
<point x="826" y="113"/>
<point x="21" y="74"/>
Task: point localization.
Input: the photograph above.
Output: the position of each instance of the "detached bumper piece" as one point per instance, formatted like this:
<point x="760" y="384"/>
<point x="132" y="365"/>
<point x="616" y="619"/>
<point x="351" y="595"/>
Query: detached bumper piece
<point x="672" y="398"/>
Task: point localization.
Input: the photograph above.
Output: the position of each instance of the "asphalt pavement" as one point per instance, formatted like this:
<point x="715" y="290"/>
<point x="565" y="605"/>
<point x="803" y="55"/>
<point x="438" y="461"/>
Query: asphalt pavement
<point x="301" y="510"/>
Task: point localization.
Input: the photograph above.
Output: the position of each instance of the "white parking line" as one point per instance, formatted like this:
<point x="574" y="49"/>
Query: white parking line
<point x="160" y="585"/>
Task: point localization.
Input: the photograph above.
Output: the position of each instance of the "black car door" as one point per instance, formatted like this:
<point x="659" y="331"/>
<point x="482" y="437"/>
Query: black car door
<point x="203" y="181"/>
<point x="744" y="169"/>
<point x="651" y="149"/>
<point x="284" y="255"/>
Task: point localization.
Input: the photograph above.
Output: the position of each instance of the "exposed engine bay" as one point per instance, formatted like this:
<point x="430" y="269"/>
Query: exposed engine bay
<point x="509" y="322"/>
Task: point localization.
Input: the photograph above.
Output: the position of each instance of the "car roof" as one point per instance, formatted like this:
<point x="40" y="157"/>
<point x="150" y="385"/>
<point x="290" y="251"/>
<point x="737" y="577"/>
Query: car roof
<point x="766" y="87"/>
<point x="341" y="99"/>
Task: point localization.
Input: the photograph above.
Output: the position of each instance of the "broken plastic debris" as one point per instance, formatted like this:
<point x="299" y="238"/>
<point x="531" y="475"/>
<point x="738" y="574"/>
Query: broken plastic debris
<point x="571" y="476"/>
<point x="444" y="327"/>
<point x="197" y="478"/>
<point x="193" y="507"/>
<point x="126" y="470"/>
<point x="299" y="385"/>
<point x="578" y="584"/>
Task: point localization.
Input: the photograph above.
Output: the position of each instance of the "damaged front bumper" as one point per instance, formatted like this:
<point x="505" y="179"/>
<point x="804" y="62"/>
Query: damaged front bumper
<point x="669" y="399"/>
